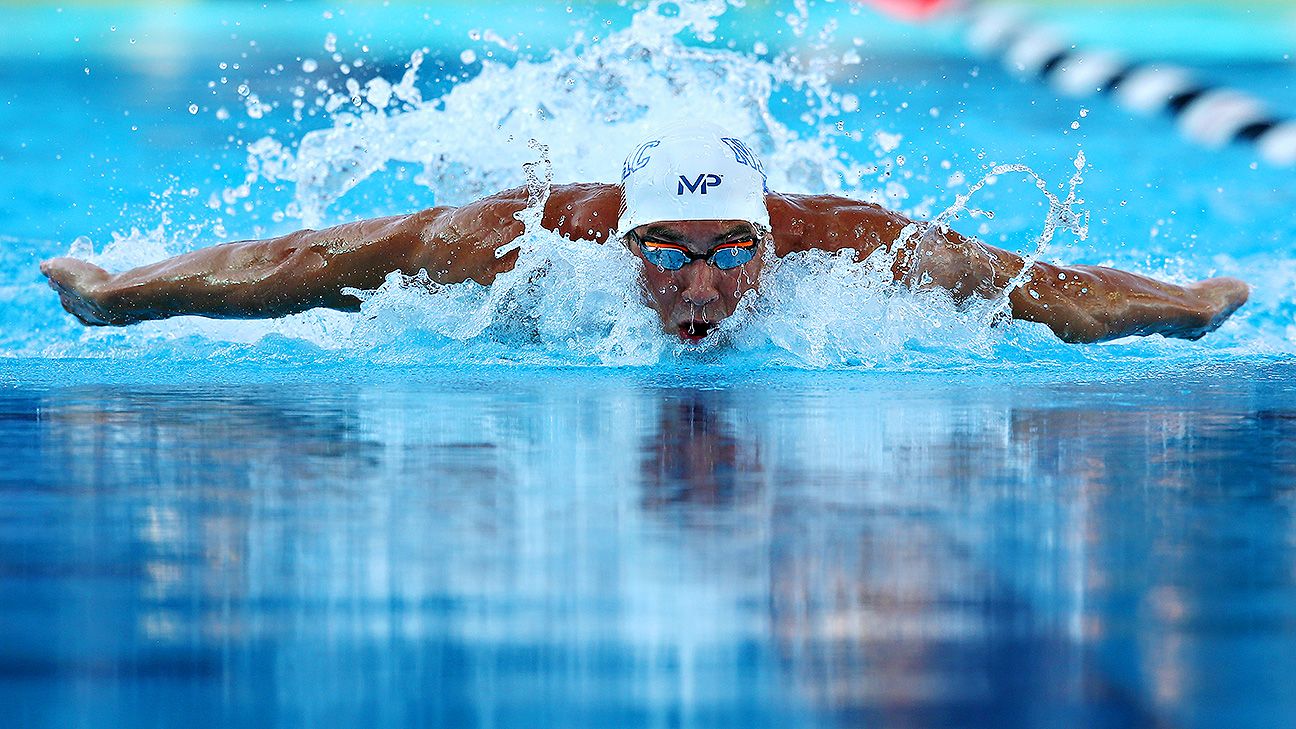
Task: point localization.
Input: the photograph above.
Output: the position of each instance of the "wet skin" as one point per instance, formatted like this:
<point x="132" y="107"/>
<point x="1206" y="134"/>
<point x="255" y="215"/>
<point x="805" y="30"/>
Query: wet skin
<point x="308" y="269"/>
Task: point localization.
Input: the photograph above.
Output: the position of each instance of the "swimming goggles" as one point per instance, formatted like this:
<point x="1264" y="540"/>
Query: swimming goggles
<point x="673" y="257"/>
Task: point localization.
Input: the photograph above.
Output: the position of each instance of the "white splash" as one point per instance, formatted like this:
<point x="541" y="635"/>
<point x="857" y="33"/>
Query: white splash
<point x="589" y="104"/>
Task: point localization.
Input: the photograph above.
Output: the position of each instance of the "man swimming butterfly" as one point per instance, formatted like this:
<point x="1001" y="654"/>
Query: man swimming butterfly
<point x="692" y="205"/>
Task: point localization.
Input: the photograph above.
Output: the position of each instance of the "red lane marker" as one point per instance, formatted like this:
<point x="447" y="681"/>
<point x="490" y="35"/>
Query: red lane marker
<point x="909" y="9"/>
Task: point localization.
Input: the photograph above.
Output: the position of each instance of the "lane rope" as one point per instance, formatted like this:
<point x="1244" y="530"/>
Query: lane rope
<point x="1209" y="115"/>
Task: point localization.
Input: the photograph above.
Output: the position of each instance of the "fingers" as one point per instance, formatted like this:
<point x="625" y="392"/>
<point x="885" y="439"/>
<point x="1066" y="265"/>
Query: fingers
<point x="1239" y="292"/>
<point x="75" y="280"/>
<point x="72" y="271"/>
<point x="1225" y="294"/>
<point x="51" y="270"/>
<point x="1220" y="297"/>
<point x="60" y="273"/>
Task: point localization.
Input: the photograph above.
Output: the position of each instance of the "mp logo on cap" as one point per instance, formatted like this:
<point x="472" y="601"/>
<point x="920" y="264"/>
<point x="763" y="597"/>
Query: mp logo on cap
<point x="700" y="184"/>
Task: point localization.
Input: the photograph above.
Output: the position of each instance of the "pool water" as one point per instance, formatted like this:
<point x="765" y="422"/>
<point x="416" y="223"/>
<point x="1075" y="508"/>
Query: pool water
<point x="297" y="547"/>
<point x="855" y="507"/>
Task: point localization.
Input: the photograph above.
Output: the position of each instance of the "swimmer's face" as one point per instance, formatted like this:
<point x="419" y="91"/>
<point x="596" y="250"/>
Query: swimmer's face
<point x="692" y="300"/>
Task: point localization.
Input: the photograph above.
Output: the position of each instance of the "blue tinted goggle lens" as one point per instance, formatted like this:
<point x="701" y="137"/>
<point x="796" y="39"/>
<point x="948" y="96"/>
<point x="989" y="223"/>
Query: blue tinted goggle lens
<point x="732" y="256"/>
<point x="667" y="258"/>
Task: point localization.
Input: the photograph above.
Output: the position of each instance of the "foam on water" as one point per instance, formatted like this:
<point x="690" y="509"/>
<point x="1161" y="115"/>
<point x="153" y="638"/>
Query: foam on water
<point x="571" y="116"/>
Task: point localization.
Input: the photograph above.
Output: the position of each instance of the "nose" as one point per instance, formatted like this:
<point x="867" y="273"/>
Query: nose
<point x="700" y="287"/>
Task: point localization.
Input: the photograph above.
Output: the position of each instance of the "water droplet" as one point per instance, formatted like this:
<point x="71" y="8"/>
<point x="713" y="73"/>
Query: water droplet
<point x="82" y="247"/>
<point x="310" y="65"/>
<point x="468" y="56"/>
<point x="193" y="108"/>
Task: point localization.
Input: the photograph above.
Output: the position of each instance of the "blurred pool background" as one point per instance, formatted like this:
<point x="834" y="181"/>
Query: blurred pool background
<point x="349" y="520"/>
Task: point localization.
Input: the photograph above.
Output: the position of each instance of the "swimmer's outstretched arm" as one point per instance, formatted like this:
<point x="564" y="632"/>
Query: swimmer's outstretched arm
<point x="1079" y="303"/>
<point x="265" y="278"/>
<point x="309" y="268"/>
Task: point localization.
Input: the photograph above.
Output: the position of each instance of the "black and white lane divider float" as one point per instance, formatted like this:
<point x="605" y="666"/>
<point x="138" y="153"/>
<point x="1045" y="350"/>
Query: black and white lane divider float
<point x="1209" y="115"/>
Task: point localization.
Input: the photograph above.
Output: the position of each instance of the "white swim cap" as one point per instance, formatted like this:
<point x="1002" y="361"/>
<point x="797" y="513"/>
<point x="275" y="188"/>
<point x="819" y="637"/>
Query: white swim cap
<point x="692" y="171"/>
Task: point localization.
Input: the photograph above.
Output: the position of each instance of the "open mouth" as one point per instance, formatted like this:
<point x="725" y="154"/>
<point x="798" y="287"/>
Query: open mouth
<point x="694" y="331"/>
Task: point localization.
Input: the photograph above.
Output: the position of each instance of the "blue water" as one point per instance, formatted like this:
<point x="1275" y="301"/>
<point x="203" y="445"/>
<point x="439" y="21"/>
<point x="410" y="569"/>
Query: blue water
<point x="298" y="547"/>
<point x="864" y="510"/>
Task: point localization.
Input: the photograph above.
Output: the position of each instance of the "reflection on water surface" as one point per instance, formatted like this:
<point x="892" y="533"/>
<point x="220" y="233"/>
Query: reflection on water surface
<point x="559" y="550"/>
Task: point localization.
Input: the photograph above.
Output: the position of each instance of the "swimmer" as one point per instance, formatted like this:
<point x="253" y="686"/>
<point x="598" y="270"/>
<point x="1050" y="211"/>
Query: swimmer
<point x="692" y="206"/>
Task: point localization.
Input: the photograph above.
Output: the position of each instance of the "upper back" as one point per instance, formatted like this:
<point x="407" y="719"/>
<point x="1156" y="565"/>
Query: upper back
<point x="831" y="223"/>
<point x="583" y="211"/>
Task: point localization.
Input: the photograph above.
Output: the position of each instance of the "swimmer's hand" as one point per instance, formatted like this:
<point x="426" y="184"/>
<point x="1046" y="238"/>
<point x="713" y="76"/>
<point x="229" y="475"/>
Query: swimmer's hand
<point x="80" y="286"/>
<point x="1220" y="297"/>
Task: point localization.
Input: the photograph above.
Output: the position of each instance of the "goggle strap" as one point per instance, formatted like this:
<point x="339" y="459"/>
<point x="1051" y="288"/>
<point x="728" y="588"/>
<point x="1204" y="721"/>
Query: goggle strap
<point x="666" y="246"/>
<point x="746" y="243"/>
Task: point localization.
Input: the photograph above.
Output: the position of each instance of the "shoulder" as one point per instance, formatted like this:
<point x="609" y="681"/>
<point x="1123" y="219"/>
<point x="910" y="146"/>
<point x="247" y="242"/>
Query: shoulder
<point x="583" y="211"/>
<point x="830" y="222"/>
<point x="580" y="211"/>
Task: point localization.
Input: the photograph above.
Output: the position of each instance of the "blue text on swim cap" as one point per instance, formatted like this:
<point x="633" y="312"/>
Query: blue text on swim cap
<point x="745" y="156"/>
<point x="700" y="184"/>
<point x="638" y="158"/>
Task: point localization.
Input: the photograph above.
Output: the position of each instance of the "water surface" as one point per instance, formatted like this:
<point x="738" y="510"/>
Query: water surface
<point x="504" y="549"/>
